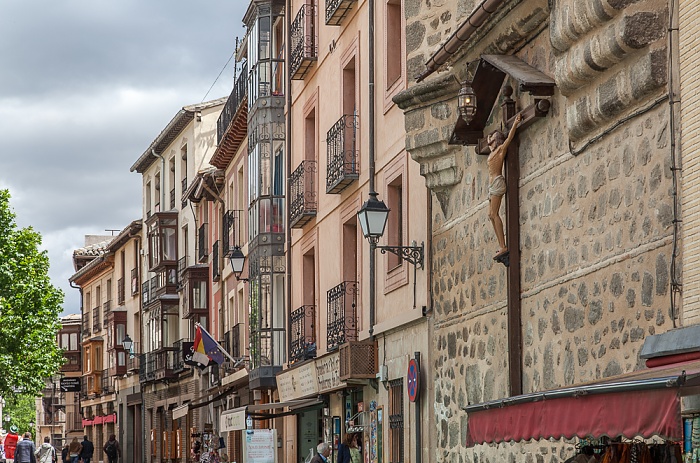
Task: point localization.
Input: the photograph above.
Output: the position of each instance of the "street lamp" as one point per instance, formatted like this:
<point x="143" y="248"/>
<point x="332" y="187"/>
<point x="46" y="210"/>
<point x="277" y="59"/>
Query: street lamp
<point x="466" y="102"/>
<point x="237" y="259"/>
<point x="127" y="343"/>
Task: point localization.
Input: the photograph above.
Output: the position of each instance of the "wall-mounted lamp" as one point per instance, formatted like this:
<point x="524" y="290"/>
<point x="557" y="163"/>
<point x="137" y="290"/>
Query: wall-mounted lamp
<point x="373" y="217"/>
<point x="237" y="259"/>
<point x="466" y="102"/>
<point x="127" y="343"/>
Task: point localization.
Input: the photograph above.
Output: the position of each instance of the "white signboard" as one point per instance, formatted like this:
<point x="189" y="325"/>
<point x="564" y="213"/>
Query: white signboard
<point x="233" y="420"/>
<point x="328" y="373"/>
<point x="297" y="383"/>
<point x="261" y="446"/>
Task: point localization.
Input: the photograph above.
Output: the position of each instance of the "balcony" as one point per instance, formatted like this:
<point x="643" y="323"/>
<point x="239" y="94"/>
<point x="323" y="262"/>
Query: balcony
<point x="181" y="266"/>
<point x="184" y="184"/>
<point x="74" y="422"/>
<point x="195" y="293"/>
<point x="145" y="293"/>
<point x="166" y="281"/>
<point x="215" y="267"/>
<point x="165" y="363"/>
<point x="73" y="362"/>
<point x="133" y="361"/>
<point x="147" y="367"/>
<point x="134" y="281"/>
<point x="202" y="241"/>
<point x="358" y="360"/>
<point x="236" y="101"/>
<point x="162" y="240"/>
<point x="179" y="360"/>
<point x="337" y="11"/>
<point x="106" y="310"/>
<point x="172" y="199"/>
<point x="231" y="231"/>
<point x="86" y="324"/>
<point x="232" y="340"/>
<point x="302" y="186"/>
<point x="106" y="381"/>
<point x="303" y="38"/>
<point x="343" y="165"/>
<point x="121" y="293"/>
<point x="96" y="321"/>
<point x="342" y="314"/>
<point x="302" y="345"/>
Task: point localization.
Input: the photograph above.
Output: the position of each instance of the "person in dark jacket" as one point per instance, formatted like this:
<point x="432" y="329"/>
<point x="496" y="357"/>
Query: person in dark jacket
<point x="87" y="451"/>
<point x="65" y="456"/>
<point x="344" y="448"/>
<point x="111" y="448"/>
<point x="324" y="451"/>
<point x="24" y="453"/>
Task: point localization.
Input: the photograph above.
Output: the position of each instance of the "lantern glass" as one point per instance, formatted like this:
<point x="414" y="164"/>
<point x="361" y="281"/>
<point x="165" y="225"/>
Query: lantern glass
<point x="466" y="101"/>
<point x="373" y="217"/>
<point x="237" y="259"/>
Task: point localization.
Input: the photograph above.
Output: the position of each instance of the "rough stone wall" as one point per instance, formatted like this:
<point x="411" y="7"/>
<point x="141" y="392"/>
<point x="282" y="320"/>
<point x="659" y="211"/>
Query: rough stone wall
<point x="596" y="226"/>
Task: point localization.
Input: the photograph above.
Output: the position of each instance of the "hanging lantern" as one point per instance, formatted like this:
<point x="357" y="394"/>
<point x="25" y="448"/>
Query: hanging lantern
<point x="466" y="101"/>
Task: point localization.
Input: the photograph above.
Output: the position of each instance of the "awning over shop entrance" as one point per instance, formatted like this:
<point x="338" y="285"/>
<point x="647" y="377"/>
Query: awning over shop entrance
<point x="234" y="420"/>
<point x="643" y="403"/>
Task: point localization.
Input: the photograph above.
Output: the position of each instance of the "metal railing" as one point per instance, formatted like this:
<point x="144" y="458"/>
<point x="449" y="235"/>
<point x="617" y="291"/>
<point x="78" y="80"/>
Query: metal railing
<point x="134" y="281"/>
<point x="231" y="231"/>
<point x="179" y="358"/>
<point x="107" y="385"/>
<point x="343" y="165"/>
<point x="202" y="243"/>
<point x="184" y="184"/>
<point x="302" y="342"/>
<point x="337" y="10"/>
<point x="304" y="51"/>
<point x="302" y="194"/>
<point x="96" y="321"/>
<point x="133" y="361"/>
<point x="145" y="293"/>
<point x="215" y="270"/>
<point x="121" y="293"/>
<point x="235" y="99"/>
<point x="342" y="314"/>
<point x="172" y="199"/>
<point x="106" y="310"/>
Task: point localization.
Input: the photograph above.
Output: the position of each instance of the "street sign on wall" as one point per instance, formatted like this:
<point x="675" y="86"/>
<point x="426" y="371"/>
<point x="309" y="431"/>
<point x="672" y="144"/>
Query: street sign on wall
<point x="70" y="384"/>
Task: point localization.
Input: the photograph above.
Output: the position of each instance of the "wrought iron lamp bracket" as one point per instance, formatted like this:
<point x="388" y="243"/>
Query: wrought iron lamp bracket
<point x="413" y="254"/>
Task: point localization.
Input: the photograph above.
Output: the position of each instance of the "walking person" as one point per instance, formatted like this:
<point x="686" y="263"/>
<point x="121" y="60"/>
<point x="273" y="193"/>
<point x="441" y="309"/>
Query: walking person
<point x="324" y="451"/>
<point x="25" y="451"/>
<point x="87" y="451"/>
<point x="65" y="455"/>
<point x="74" y="450"/>
<point x="112" y="449"/>
<point x="46" y="453"/>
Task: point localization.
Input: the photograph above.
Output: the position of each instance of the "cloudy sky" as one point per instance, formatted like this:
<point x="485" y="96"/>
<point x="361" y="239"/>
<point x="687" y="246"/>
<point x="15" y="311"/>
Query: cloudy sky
<point x="85" y="86"/>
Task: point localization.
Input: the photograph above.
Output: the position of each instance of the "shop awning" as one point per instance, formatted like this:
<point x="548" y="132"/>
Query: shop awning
<point x="644" y="403"/>
<point x="234" y="420"/>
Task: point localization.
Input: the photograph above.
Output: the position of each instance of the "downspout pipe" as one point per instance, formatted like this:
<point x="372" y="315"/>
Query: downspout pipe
<point x="162" y="177"/>
<point x="372" y="171"/>
<point x="288" y="167"/>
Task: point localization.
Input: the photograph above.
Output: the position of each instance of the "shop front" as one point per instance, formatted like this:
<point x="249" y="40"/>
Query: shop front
<point x="633" y="417"/>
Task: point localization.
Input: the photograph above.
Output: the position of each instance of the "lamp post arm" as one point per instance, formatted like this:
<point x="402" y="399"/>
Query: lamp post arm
<point x="412" y="254"/>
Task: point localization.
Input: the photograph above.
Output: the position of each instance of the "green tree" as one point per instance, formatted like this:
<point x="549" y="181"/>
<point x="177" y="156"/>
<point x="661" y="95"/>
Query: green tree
<point x="21" y="408"/>
<point x="29" y="309"/>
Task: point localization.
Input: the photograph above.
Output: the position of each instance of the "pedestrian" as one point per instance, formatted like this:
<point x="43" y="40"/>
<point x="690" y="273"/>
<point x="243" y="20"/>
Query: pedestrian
<point x="112" y="449"/>
<point x="46" y="453"/>
<point x="324" y="451"/>
<point x="87" y="451"/>
<point x="344" y="448"/>
<point x="25" y="450"/>
<point x="65" y="455"/>
<point x="355" y="455"/>
<point x="74" y="450"/>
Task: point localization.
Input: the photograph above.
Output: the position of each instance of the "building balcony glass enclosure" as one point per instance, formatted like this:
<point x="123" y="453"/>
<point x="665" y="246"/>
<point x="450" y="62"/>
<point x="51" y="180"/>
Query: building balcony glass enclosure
<point x="195" y="291"/>
<point x="342" y="160"/>
<point x="302" y="194"/>
<point x="162" y="240"/>
<point x="265" y="22"/>
<point x="302" y="342"/>
<point x="342" y="314"/>
<point x="304" y="52"/>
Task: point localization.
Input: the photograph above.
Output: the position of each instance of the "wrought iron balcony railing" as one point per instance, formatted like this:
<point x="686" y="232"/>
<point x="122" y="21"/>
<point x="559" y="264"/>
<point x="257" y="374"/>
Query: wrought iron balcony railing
<point x="302" y="186"/>
<point x="179" y="360"/>
<point x="121" y="292"/>
<point x="343" y="159"/>
<point x="106" y="310"/>
<point x="303" y="40"/>
<point x="215" y="270"/>
<point x="342" y="314"/>
<point x="302" y="342"/>
<point x="184" y="184"/>
<point x="145" y="293"/>
<point x="235" y="101"/>
<point x="233" y="339"/>
<point x="134" y="281"/>
<point x="337" y="10"/>
<point x="181" y="266"/>
<point x="96" y="321"/>
<point x="231" y="231"/>
<point x="107" y="385"/>
<point x="133" y="358"/>
<point x="203" y="252"/>
<point x="172" y="199"/>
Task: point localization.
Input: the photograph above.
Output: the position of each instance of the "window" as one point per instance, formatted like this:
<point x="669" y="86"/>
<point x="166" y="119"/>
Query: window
<point x="349" y="98"/>
<point x="310" y="136"/>
<point x="394" y="47"/>
<point x="73" y="341"/>
<point x="395" y="223"/>
<point x="396" y="421"/>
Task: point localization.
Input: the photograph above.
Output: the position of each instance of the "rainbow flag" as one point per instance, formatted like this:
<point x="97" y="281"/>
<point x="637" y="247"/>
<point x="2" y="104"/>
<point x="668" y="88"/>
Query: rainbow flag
<point x="206" y="348"/>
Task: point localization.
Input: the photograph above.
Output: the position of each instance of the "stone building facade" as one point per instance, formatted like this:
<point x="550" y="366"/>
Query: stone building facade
<point x="596" y="208"/>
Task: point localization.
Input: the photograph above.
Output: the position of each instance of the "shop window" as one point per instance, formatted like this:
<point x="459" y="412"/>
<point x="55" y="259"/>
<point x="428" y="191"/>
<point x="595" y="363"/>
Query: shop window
<point x="396" y="392"/>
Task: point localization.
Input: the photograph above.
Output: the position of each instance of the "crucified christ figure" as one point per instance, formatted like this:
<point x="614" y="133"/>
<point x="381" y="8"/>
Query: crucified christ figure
<point x="498" y="144"/>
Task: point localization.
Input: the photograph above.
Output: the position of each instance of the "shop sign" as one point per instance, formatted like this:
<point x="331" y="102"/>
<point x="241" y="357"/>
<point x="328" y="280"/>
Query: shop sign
<point x="297" y="383"/>
<point x="70" y="384"/>
<point x="233" y="420"/>
<point x="328" y="373"/>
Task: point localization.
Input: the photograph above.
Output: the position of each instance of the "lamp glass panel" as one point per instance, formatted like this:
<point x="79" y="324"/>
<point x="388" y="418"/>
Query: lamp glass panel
<point x="376" y="222"/>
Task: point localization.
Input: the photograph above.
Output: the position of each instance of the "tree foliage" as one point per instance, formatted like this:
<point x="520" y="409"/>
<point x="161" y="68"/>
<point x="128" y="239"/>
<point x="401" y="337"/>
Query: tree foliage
<point x="29" y="309"/>
<point x="21" y="409"/>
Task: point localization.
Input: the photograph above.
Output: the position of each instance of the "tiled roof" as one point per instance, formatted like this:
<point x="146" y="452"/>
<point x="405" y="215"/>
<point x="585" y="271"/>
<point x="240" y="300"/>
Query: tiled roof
<point x="93" y="250"/>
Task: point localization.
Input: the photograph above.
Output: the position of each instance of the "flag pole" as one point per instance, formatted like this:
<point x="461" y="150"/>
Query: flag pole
<point x="223" y="351"/>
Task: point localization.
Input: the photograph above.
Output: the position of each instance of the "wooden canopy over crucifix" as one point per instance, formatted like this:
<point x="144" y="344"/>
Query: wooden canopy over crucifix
<point x="487" y="84"/>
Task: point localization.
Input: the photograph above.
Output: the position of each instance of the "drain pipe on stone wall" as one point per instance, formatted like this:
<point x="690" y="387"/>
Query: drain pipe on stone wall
<point x="673" y="100"/>
<point x="288" y="167"/>
<point x="372" y="247"/>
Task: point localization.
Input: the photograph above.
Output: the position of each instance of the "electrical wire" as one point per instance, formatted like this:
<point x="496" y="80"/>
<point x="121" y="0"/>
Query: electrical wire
<point x="217" y="77"/>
